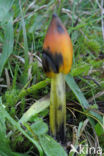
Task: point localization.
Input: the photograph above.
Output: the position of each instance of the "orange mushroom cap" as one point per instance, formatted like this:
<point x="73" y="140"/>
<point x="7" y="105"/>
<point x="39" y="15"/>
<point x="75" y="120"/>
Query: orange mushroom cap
<point x="57" y="49"/>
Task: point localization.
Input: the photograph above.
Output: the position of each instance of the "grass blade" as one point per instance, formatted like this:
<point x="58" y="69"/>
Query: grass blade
<point x="76" y="90"/>
<point x="5" y="6"/>
<point x="36" y="108"/>
<point x="25" y="73"/>
<point x="8" y="43"/>
<point x="82" y="100"/>
<point x="51" y="147"/>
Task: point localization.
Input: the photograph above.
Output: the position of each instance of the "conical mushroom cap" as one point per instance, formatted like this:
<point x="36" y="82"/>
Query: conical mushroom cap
<point x="57" y="49"/>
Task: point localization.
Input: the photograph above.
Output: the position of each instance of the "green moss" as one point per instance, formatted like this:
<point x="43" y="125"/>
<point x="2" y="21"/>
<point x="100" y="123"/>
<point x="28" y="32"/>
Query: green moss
<point x="10" y="98"/>
<point x="93" y="46"/>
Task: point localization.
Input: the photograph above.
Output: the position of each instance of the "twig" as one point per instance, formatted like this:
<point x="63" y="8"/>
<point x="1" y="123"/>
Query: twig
<point x="33" y="54"/>
<point x="98" y="4"/>
<point x="69" y="13"/>
<point x="71" y="112"/>
<point x="30" y="68"/>
<point x="90" y="78"/>
<point x="31" y="6"/>
<point x="96" y="96"/>
<point x="37" y="57"/>
<point x="3" y="86"/>
<point x="7" y="78"/>
<point x="20" y="59"/>
<point x="29" y="14"/>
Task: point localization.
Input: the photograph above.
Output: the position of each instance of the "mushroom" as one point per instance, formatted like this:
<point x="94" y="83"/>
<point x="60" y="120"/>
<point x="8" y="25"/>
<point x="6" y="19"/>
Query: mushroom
<point x="57" y="60"/>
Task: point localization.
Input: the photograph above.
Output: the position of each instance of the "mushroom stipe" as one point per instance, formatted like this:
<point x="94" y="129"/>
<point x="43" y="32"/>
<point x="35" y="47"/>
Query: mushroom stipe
<point x="58" y="107"/>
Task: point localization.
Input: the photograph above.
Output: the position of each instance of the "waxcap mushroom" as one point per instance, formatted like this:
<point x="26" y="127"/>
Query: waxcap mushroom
<point x="57" y="60"/>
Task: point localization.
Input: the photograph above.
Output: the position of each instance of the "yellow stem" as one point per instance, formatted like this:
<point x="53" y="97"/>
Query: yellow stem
<point x="58" y="107"/>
